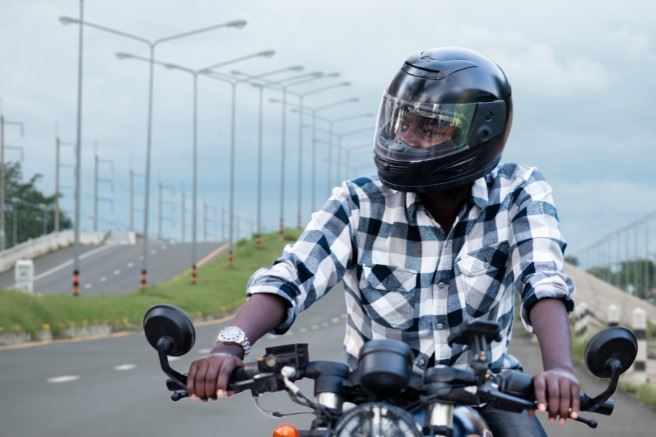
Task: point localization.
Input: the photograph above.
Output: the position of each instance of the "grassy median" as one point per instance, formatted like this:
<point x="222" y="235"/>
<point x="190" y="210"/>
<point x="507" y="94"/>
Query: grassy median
<point x="219" y="291"/>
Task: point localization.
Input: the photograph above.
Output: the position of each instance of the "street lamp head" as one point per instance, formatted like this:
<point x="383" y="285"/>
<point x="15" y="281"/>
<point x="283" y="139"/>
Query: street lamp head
<point x="267" y="53"/>
<point x="237" y="73"/>
<point x="68" y="20"/>
<point x="334" y="74"/>
<point x="123" y="55"/>
<point x="354" y="99"/>
<point x="172" y="66"/>
<point x="296" y="68"/>
<point x="347" y="83"/>
<point x="239" y="24"/>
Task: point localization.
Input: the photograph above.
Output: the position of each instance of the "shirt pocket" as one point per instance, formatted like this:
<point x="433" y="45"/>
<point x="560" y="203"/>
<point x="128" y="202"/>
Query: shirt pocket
<point x="389" y="295"/>
<point x="479" y="275"/>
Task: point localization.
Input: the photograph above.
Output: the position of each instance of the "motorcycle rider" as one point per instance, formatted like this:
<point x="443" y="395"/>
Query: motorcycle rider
<point x="443" y="235"/>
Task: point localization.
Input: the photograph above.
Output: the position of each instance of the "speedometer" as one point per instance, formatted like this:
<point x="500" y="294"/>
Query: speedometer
<point x="377" y="419"/>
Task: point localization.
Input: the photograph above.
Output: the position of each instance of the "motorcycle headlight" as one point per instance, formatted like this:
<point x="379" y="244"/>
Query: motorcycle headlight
<point x="377" y="419"/>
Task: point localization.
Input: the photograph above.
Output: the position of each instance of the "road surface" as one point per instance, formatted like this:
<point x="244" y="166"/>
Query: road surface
<point x="113" y="387"/>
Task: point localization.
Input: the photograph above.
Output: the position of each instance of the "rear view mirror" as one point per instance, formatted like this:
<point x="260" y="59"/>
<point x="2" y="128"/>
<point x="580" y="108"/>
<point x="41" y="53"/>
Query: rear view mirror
<point x="169" y="330"/>
<point x="611" y="350"/>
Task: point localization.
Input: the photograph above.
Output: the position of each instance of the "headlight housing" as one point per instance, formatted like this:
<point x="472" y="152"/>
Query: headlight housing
<point x="377" y="419"/>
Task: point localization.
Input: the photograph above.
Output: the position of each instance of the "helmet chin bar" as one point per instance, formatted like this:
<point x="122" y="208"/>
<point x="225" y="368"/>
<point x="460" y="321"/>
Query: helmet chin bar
<point x="402" y="183"/>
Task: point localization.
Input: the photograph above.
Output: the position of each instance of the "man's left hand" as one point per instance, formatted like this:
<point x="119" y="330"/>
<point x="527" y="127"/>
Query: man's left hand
<point x="557" y="391"/>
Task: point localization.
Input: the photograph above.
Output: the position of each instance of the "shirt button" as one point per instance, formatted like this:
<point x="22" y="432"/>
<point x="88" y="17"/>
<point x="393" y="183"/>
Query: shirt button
<point x="441" y="285"/>
<point x="421" y="361"/>
<point x="439" y="326"/>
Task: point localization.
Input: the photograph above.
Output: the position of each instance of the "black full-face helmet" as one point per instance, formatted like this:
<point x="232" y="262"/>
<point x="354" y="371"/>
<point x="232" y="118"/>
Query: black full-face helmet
<point x="443" y="121"/>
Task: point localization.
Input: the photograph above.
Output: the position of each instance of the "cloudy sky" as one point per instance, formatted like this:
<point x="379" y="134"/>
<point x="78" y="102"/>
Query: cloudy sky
<point x="582" y="76"/>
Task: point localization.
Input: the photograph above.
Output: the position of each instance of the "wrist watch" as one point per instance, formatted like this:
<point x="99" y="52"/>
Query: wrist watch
<point x="234" y="335"/>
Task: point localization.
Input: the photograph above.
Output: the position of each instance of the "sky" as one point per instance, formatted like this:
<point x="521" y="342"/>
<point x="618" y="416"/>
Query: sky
<point x="581" y="72"/>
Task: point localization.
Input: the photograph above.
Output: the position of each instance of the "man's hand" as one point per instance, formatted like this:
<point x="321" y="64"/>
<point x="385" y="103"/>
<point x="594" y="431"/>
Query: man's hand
<point x="557" y="391"/>
<point x="208" y="376"/>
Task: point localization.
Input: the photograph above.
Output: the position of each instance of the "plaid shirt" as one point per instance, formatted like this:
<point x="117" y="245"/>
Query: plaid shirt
<point x="406" y="279"/>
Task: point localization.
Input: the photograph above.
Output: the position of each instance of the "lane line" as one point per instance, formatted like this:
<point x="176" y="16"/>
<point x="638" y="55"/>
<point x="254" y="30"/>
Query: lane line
<point x="203" y="351"/>
<point x="123" y="367"/>
<point x="117" y="272"/>
<point x="174" y="358"/>
<point x="87" y="286"/>
<point x="70" y="262"/>
<point x="63" y="378"/>
<point x="211" y="255"/>
<point x="130" y="265"/>
<point x="103" y="279"/>
<point x="153" y="252"/>
<point x="335" y="320"/>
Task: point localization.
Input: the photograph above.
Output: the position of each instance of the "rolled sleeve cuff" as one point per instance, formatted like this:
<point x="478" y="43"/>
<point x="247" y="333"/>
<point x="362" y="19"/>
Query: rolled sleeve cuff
<point x="278" y="291"/>
<point x="548" y="288"/>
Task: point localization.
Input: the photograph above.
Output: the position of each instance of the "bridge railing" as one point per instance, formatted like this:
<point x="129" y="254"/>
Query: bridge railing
<point x="45" y="244"/>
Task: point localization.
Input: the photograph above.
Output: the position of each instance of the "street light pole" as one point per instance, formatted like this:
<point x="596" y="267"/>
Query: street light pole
<point x="206" y="71"/>
<point x="152" y="44"/>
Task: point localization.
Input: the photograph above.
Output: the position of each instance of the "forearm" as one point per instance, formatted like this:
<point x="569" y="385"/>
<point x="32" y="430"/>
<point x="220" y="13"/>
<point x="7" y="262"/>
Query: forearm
<point x="260" y="314"/>
<point x="550" y="324"/>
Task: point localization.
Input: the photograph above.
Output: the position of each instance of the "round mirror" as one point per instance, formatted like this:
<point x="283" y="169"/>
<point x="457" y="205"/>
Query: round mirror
<point x="612" y="343"/>
<point x="169" y="322"/>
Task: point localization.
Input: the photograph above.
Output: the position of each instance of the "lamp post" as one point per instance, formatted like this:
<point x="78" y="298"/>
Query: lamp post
<point x="260" y="87"/>
<point x="152" y="44"/>
<point x="314" y="111"/>
<point x="339" y="148"/>
<point x="206" y="71"/>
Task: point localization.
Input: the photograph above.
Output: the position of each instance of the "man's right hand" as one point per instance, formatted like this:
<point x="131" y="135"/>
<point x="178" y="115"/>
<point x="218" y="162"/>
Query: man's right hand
<point x="208" y="376"/>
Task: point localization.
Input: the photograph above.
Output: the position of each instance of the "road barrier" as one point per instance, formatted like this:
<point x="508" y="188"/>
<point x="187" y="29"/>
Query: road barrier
<point x="640" y="330"/>
<point x="45" y="244"/>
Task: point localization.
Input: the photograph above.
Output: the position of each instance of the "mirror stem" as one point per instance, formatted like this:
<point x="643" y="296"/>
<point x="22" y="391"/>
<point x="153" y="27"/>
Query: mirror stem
<point x="615" y="371"/>
<point x="163" y="345"/>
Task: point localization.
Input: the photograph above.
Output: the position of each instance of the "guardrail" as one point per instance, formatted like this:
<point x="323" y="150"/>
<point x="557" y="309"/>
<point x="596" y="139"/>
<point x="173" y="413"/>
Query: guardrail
<point x="45" y="244"/>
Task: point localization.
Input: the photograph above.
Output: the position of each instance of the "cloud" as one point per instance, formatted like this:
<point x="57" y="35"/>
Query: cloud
<point x="538" y="70"/>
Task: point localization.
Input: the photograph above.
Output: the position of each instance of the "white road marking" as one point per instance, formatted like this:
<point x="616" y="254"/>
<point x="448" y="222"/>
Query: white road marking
<point x="314" y="327"/>
<point x="203" y="351"/>
<point x="121" y="367"/>
<point x="70" y="262"/>
<point x="117" y="272"/>
<point x="63" y="378"/>
<point x="130" y="265"/>
<point x="344" y="316"/>
<point x="163" y="247"/>
<point x="289" y="333"/>
<point x="153" y="252"/>
<point x="335" y="320"/>
<point x="87" y="286"/>
<point x="271" y="336"/>
<point x="302" y="330"/>
<point x="140" y="257"/>
<point x="103" y="279"/>
<point x="325" y="324"/>
<point x="174" y="358"/>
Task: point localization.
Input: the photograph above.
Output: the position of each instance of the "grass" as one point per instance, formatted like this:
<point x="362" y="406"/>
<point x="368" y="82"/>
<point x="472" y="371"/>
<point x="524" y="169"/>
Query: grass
<point x="219" y="291"/>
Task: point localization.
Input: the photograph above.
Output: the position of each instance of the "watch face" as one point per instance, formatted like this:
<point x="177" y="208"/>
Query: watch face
<point x="232" y="334"/>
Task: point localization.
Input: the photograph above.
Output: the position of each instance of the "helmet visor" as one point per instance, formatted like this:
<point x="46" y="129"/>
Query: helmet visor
<point x="412" y="131"/>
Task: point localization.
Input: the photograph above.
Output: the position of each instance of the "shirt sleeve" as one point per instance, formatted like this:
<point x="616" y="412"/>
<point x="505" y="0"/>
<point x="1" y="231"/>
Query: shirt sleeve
<point x="317" y="261"/>
<point x="537" y="247"/>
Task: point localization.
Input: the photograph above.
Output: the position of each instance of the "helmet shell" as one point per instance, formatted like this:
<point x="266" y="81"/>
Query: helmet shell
<point x="446" y="76"/>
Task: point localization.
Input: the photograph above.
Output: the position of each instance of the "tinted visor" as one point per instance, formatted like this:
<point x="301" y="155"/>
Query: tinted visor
<point x="416" y="131"/>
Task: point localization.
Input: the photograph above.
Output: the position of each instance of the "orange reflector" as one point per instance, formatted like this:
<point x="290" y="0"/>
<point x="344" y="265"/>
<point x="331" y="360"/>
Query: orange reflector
<point x="286" y="430"/>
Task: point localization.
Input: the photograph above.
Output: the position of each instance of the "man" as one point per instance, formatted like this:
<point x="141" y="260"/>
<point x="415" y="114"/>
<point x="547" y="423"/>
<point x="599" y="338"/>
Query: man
<point x="443" y="235"/>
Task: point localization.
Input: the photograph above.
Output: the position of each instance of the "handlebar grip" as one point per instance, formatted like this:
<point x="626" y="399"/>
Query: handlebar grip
<point x="606" y="408"/>
<point x="242" y="377"/>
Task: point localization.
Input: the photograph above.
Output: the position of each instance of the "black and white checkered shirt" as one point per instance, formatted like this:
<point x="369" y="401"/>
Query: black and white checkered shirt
<point x="405" y="279"/>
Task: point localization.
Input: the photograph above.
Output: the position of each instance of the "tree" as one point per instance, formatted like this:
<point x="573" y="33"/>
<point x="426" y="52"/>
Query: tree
<point x="28" y="212"/>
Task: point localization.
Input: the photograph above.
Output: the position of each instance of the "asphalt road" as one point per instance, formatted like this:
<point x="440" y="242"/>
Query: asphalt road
<point x="110" y="269"/>
<point x="113" y="387"/>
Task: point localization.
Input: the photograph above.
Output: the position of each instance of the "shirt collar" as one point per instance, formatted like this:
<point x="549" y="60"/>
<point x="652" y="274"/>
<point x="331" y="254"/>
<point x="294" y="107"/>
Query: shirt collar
<point x="480" y="197"/>
<point x="480" y="193"/>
